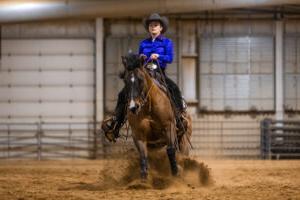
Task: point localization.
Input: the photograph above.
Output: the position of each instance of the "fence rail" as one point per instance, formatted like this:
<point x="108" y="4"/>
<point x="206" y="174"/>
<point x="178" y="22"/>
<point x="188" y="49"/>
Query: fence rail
<point x="280" y="139"/>
<point x="47" y="140"/>
<point x="234" y="139"/>
<point x="79" y="140"/>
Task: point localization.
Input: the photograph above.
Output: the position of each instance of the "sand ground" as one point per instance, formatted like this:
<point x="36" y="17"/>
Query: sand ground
<point x="104" y="179"/>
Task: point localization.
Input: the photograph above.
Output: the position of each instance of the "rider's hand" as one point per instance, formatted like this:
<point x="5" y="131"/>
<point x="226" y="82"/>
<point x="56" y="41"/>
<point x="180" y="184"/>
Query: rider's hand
<point x="143" y="56"/>
<point x="154" y="56"/>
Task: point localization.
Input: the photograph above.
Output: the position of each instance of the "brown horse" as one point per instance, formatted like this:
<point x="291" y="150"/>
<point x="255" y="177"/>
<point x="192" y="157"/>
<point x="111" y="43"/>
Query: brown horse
<point x="150" y="115"/>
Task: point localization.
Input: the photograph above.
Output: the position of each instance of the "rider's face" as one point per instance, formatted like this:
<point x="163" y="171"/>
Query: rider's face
<point x="155" y="28"/>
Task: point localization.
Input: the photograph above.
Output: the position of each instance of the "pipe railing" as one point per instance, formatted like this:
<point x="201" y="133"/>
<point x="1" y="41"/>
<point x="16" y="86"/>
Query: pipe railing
<point x="48" y="140"/>
<point x="221" y="139"/>
<point x="81" y="140"/>
<point x="280" y="139"/>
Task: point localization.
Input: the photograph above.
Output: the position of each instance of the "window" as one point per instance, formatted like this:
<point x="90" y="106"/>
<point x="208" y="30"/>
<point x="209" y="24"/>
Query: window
<point x="292" y="65"/>
<point x="236" y="70"/>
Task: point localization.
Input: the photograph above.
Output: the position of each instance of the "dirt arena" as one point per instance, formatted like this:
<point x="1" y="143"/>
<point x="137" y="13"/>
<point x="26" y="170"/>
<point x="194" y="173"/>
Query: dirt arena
<point x="118" y="179"/>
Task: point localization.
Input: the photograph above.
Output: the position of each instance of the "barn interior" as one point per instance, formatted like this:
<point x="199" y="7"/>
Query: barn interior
<point x="236" y="62"/>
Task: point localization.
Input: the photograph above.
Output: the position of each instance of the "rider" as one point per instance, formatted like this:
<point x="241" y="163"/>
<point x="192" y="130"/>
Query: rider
<point x="158" y="49"/>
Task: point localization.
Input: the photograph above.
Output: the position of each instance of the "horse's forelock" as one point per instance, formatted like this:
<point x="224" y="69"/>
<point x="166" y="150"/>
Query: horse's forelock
<point x="134" y="77"/>
<point x="133" y="61"/>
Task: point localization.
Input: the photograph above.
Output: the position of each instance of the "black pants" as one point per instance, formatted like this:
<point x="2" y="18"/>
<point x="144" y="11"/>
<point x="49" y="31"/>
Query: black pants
<point x="175" y="94"/>
<point x="120" y="110"/>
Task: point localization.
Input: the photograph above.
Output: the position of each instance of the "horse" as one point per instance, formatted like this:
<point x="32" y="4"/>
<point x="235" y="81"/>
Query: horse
<point x="150" y="115"/>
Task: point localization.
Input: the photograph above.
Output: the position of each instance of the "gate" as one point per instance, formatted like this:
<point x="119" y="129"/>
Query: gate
<point x="280" y="139"/>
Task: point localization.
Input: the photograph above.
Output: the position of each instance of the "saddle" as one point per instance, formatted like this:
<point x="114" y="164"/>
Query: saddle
<point x="181" y="121"/>
<point x="156" y="76"/>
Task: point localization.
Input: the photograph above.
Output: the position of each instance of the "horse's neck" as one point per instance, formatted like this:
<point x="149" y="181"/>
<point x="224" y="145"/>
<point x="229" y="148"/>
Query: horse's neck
<point x="148" y="80"/>
<point x="156" y="95"/>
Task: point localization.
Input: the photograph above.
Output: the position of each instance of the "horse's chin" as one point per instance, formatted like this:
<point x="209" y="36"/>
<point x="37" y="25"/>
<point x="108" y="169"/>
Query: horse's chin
<point x="136" y="112"/>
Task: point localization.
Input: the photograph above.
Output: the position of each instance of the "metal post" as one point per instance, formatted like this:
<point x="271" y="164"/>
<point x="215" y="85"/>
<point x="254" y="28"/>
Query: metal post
<point x="262" y="141"/>
<point x="8" y="141"/>
<point x="269" y="135"/>
<point x="99" y="80"/>
<point x="265" y="143"/>
<point x="39" y="142"/>
<point x="70" y="141"/>
<point x="222" y="145"/>
<point x="279" y="70"/>
<point x="93" y="132"/>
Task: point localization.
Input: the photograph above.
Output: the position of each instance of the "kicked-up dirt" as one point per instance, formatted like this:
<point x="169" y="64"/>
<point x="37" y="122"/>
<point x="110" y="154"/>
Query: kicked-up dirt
<point x="119" y="179"/>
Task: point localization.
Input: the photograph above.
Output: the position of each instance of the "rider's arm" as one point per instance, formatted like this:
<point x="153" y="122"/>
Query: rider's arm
<point x="141" y="50"/>
<point x="168" y="56"/>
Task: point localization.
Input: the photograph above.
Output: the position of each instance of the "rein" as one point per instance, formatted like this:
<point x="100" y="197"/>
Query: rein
<point x="144" y="100"/>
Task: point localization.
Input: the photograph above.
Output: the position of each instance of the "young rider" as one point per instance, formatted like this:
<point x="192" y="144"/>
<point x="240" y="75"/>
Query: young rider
<point x="158" y="49"/>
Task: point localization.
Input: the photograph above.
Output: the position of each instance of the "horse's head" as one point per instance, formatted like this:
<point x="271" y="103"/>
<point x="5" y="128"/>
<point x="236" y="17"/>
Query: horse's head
<point x="134" y="79"/>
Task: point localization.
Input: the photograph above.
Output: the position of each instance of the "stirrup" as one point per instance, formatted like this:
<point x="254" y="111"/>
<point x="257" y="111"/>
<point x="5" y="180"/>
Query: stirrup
<point x="181" y="124"/>
<point x="109" y="128"/>
<point x="184" y="104"/>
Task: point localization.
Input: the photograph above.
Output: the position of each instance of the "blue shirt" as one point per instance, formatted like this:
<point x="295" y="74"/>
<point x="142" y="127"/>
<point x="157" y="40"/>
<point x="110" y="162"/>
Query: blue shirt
<point x="161" y="46"/>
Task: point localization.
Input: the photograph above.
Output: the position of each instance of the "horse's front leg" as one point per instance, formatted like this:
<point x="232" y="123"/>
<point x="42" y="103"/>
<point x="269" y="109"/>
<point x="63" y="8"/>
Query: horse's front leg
<point x="142" y="148"/>
<point x="171" y="151"/>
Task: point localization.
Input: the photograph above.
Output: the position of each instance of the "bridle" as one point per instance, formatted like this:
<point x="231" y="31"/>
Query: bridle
<point x="144" y="97"/>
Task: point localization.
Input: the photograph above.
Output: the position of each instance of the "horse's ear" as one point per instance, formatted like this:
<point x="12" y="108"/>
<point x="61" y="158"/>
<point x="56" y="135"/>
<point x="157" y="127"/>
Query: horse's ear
<point x="122" y="74"/>
<point x="142" y="59"/>
<point x="124" y="61"/>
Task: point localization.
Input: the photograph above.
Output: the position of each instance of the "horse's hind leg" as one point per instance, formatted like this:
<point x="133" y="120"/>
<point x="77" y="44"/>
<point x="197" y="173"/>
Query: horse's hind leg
<point x="142" y="148"/>
<point x="171" y="151"/>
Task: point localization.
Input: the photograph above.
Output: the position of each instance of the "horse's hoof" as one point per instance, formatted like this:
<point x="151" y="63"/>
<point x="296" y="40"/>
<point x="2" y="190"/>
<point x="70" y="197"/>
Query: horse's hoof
<point x="178" y="171"/>
<point x="144" y="177"/>
<point x="174" y="172"/>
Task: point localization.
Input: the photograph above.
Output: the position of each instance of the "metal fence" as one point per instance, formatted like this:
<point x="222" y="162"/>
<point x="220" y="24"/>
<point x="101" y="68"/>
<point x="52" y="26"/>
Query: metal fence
<point x="214" y="139"/>
<point x="280" y="139"/>
<point x="235" y="139"/>
<point x="47" y="140"/>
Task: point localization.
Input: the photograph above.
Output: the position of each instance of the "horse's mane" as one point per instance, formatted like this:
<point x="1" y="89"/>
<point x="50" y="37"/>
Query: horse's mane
<point x="133" y="61"/>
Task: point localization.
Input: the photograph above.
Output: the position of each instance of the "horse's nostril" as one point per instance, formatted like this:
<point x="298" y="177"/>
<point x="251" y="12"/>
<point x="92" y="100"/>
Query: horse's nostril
<point x="133" y="109"/>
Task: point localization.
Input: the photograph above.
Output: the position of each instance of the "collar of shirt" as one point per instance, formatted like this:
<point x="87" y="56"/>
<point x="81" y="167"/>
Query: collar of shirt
<point x="160" y="37"/>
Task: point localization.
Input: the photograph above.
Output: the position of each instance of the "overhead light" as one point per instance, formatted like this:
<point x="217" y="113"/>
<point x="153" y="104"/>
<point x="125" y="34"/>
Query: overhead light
<point x="26" y="6"/>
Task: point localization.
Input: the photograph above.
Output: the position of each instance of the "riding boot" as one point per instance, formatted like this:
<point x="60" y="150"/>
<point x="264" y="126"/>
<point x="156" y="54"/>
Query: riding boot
<point x="184" y="105"/>
<point x="180" y="105"/>
<point x="182" y="124"/>
<point x="112" y="126"/>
